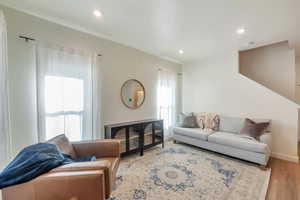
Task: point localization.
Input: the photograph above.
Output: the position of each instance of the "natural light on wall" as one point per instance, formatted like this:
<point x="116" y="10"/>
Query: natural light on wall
<point x="166" y="98"/>
<point x="64" y="106"/>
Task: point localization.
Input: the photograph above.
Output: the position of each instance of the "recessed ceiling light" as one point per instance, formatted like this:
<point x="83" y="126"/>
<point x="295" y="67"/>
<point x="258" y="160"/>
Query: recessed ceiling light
<point x="181" y="51"/>
<point x="97" y="13"/>
<point x="241" y="31"/>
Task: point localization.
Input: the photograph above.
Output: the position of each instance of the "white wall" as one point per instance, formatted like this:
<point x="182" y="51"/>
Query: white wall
<point x="118" y="64"/>
<point x="298" y="79"/>
<point x="272" y="66"/>
<point x="214" y="85"/>
<point x="297" y="90"/>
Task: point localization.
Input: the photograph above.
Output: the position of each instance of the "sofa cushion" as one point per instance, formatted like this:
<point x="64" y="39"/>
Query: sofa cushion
<point x="192" y="132"/>
<point x="63" y="144"/>
<point x="238" y="141"/>
<point x="231" y="124"/>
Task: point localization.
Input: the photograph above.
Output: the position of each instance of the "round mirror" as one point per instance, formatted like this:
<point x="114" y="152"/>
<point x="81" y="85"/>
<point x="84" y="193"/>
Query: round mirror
<point x="133" y="94"/>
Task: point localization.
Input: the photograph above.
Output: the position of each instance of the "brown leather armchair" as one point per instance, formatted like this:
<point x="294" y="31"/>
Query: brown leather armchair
<point x="76" y="181"/>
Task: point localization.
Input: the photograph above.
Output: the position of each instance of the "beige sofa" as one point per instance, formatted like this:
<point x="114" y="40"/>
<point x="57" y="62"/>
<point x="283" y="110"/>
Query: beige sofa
<point x="228" y="141"/>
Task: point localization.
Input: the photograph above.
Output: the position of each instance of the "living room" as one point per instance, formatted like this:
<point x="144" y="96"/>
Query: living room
<point x="149" y="100"/>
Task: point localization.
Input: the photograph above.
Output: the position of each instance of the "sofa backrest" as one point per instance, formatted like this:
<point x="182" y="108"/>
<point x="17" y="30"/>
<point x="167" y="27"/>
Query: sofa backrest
<point x="231" y="124"/>
<point x="235" y="124"/>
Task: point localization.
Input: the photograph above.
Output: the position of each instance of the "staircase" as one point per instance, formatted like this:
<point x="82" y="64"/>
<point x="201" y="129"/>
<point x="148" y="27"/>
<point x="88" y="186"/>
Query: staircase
<point x="272" y="66"/>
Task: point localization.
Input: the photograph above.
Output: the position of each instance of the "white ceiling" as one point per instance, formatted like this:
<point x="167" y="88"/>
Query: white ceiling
<point x="161" y="27"/>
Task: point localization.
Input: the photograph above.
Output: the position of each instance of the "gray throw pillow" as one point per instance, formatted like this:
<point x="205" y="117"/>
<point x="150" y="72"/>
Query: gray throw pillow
<point x="253" y="129"/>
<point x="188" y="121"/>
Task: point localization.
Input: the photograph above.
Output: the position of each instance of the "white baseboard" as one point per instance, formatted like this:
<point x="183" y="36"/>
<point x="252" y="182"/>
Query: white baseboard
<point x="281" y="156"/>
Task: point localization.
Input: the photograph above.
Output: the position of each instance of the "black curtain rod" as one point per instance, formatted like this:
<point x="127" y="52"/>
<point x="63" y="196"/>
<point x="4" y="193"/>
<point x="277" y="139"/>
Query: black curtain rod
<point x="27" y="39"/>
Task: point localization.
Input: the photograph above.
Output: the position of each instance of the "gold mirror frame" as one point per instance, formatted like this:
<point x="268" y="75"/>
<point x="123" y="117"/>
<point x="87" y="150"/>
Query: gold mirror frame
<point x="121" y="94"/>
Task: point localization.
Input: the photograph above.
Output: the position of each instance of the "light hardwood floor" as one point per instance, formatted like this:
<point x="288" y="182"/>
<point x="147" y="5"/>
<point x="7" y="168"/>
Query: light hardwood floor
<point x="285" y="180"/>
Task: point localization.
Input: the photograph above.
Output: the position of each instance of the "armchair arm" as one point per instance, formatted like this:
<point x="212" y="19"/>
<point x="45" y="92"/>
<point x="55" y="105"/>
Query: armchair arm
<point x="83" y="166"/>
<point x="98" y="148"/>
<point x="103" y="165"/>
<point x="87" y="185"/>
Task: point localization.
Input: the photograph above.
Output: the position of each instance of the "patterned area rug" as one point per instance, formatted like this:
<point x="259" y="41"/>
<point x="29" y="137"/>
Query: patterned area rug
<point x="182" y="172"/>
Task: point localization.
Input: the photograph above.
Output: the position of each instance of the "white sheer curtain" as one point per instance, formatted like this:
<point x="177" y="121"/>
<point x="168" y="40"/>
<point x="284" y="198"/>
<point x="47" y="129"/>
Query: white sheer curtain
<point x="67" y="82"/>
<point x="4" y="106"/>
<point x="166" y="98"/>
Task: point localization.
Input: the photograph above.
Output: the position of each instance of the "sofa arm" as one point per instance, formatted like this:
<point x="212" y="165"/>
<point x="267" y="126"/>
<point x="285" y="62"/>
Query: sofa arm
<point x="98" y="148"/>
<point x="60" y="186"/>
<point x="267" y="139"/>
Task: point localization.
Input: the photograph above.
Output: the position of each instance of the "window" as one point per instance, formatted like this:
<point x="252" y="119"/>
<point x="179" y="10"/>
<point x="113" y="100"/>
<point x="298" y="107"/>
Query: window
<point x="64" y="100"/>
<point x="67" y="85"/>
<point x="165" y="105"/>
<point x="166" y="95"/>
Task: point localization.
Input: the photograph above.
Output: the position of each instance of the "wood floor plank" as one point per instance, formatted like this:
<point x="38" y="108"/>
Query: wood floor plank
<point x="285" y="180"/>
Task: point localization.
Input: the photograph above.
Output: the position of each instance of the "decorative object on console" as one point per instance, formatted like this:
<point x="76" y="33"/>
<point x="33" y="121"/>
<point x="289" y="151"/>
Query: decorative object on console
<point x="136" y="136"/>
<point x="133" y="94"/>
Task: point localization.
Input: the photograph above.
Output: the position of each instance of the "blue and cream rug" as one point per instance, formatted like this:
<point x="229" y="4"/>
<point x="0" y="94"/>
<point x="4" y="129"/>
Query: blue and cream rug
<point x="182" y="172"/>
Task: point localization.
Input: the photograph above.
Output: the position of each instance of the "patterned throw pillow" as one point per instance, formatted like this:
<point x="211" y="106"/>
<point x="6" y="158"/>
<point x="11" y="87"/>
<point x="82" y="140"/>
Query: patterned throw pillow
<point x="188" y="120"/>
<point x="212" y="121"/>
<point x="208" y="121"/>
<point x="201" y="120"/>
<point x="254" y="130"/>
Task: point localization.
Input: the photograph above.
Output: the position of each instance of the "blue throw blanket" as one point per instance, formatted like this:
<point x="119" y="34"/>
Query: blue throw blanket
<point x="34" y="161"/>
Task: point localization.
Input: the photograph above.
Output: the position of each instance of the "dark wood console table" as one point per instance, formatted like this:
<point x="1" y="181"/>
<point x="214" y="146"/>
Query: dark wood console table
<point x="136" y="136"/>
